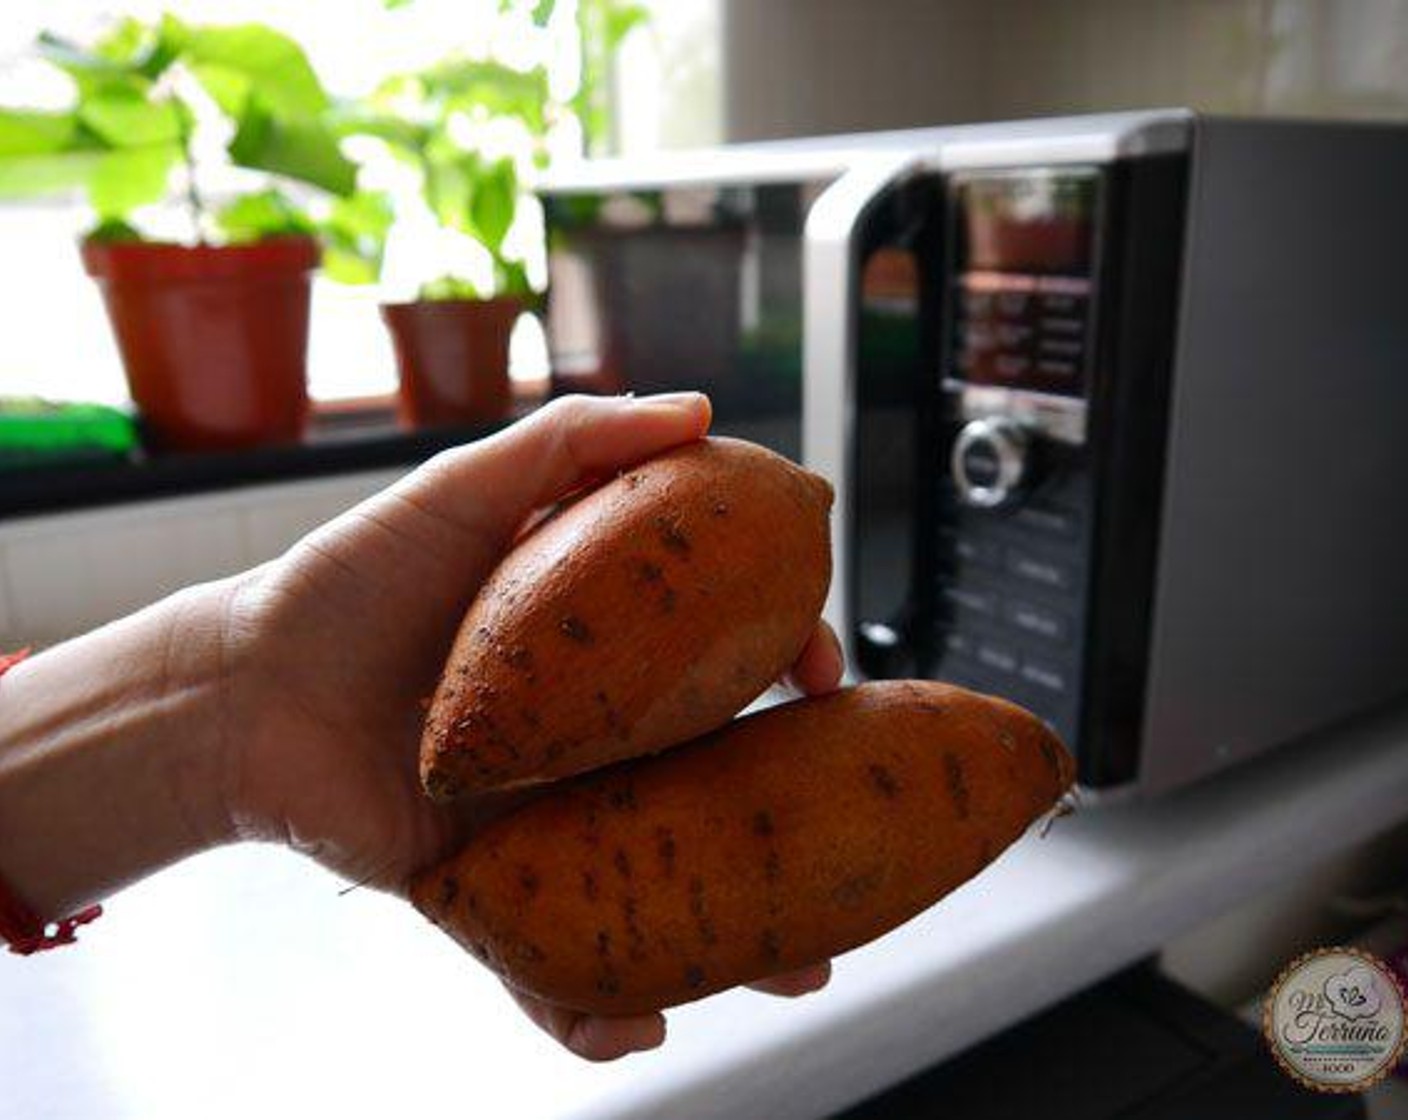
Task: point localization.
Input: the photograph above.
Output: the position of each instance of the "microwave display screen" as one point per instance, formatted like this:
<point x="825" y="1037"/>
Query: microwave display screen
<point x="1028" y="223"/>
<point x="1022" y="279"/>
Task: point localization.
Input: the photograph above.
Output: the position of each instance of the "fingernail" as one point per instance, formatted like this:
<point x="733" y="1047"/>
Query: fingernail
<point x="671" y="399"/>
<point x="822" y="978"/>
<point x="697" y="405"/>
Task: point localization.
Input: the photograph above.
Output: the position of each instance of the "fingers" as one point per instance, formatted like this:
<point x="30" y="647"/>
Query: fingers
<point x="491" y="486"/>
<point x="600" y="1039"/>
<point x="820" y="665"/>
<point x="592" y="1037"/>
<point x="799" y="983"/>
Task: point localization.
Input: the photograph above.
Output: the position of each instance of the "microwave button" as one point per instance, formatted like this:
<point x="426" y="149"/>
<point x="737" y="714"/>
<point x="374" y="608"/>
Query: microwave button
<point x="1038" y="569"/>
<point x="1013" y="305"/>
<point x="1043" y="674"/>
<point x="1063" y="325"/>
<point x="980" y="465"/>
<point x="1047" y="519"/>
<point x="1057" y="367"/>
<point x="996" y="656"/>
<point x="988" y="462"/>
<point x="1061" y="304"/>
<point x="1012" y="365"/>
<point x="970" y="599"/>
<point x="972" y="551"/>
<point x="1013" y="334"/>
<point x="1038" y="621"/>
<point x="978" y="336"/>
<point x="977" y="304"/>
<point x="960" y="645"/>
<point x="1060" y="347"/>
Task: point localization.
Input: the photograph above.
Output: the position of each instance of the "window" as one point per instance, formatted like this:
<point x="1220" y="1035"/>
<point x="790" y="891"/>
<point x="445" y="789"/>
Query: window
<point x="54" y="339"/>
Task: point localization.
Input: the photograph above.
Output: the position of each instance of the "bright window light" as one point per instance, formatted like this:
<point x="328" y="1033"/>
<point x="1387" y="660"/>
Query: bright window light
<point x="54" y="338"/>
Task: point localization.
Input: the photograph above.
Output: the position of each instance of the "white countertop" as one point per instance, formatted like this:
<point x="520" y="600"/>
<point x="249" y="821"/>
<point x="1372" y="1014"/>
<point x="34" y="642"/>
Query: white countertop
<point x="242" y="985"/>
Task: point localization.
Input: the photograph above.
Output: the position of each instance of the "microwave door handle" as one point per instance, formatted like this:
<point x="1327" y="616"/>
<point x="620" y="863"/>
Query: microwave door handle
<point x="830" y="326"/>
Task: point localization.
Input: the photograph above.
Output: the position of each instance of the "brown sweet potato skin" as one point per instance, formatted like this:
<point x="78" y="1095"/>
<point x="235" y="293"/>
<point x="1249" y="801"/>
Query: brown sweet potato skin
<point x="649" y="611"/>
<point x="784" y="839"/>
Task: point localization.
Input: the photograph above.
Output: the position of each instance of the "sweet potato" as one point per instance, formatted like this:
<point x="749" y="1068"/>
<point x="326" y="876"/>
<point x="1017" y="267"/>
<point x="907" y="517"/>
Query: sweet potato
<point x="646" y="613"/>
<point x="788" y="837"/>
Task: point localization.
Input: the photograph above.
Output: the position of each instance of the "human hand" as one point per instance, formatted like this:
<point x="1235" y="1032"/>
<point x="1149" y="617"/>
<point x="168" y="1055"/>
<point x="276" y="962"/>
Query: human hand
<point x="334" y="646"/>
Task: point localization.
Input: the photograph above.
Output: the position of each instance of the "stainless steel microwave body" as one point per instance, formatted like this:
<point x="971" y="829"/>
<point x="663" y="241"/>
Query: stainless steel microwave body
<point x="1113" y="404"/>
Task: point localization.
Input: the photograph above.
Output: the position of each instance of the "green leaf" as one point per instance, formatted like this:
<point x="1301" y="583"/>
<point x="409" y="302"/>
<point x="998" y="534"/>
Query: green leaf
<point x="343" y="267"/>
<point x="244" y="60"/>
<point x="268" y="213"/>
<point x="493" y="200"/>
<point x="228" y="88"/>
<point x="171" y="38"/>
<point x="123" y="118"/>
<point x="354" y="237"/>
<point x="471" y="196"/>
<point x="366" y="214"/>
<point x="25" y="132"/>
<point x="127" y="178"/>
<point x="511" y="279"/>
<point x="601" y="26"/>
<point x="303" y="149"/>
<point x="448" y="287"/>
<point x="499" y="90"/>
<point x="113" y="229"/>
<point x="621" y="20"/>
<point x="132" y="55"/>
<point x="448" y="183"/>
<point x="392" y="5"/>
<point x="34" y="175"/>
<point x="539" y="10"/>
<point x="355" y="119"/>
<point x="126" y="44"/>
<point x="83" y="65"/>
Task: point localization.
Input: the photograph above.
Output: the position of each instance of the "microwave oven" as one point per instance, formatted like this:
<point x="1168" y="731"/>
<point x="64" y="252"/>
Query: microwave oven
<point x="1112" y="404"/>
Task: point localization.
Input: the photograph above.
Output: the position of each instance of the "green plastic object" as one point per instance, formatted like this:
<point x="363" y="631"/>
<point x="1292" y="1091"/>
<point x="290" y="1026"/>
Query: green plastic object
<point x="36" y="432"/>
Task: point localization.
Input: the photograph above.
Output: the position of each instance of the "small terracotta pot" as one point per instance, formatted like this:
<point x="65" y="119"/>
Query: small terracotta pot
<point x="453" y="359"/>
<point x="214" y="339"/>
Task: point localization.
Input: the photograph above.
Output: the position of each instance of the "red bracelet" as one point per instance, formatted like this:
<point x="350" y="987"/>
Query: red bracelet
<point x="19" y="925"/>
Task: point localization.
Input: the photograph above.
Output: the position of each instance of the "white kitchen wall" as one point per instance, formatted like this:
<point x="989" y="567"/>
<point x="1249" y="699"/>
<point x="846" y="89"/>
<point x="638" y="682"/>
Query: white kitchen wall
<point x="799" y="67"/>
<point x="66" y="573"/>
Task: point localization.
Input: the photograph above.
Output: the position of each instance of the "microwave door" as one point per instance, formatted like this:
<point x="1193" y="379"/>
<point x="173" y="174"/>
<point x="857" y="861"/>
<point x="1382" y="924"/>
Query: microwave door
<point x="861" y="232"/>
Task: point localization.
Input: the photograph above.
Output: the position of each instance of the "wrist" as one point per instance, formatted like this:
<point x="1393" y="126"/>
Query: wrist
<point x="113" y="753"/>
<point x="204" y="664"/>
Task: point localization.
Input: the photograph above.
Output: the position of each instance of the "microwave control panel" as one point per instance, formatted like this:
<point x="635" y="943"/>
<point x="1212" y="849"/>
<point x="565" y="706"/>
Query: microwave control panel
<point x="1013" y="505"/>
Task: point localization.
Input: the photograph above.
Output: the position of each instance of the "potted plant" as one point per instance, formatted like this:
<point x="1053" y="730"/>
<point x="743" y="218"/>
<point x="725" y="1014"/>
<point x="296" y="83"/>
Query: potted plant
<point x="447" y="123"/>
<point x="452" y="339"/>
<point x="212" y="329"/>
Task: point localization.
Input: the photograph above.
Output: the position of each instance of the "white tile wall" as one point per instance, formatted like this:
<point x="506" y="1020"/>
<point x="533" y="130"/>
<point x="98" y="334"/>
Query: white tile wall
<point x="84" y="571"/>
<point x="272" y="518"/>
<point x="66" y="573"/>
<point x="799" y="67"/>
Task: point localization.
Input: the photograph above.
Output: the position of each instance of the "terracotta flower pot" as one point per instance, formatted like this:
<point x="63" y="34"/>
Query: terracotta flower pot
<point x="214" y="339"/>
<point x="453" y="359"/>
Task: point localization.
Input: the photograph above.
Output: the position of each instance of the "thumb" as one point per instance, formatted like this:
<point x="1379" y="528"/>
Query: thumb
<point x="487" y="489"/>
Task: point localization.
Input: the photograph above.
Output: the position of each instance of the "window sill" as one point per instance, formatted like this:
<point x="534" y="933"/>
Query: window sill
<point x="342" y="440"/>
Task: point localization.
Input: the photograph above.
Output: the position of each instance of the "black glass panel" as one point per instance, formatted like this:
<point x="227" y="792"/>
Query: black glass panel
<point x="690" y="287"/>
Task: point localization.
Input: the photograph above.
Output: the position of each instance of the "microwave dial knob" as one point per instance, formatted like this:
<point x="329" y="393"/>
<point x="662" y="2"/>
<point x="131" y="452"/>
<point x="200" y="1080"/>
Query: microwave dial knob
<point x="989" y="461"/>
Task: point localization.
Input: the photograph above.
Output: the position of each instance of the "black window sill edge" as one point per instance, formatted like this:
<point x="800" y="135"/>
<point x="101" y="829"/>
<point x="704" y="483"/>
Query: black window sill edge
<point x="334" y="446"/>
